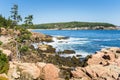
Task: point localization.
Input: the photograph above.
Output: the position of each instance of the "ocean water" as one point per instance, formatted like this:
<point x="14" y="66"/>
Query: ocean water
<point x="83" y="42"/>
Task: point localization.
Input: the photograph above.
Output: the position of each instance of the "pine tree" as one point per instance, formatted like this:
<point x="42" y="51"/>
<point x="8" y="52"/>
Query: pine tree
<point x="28" y="21"/>
<point x="15" y="16"/>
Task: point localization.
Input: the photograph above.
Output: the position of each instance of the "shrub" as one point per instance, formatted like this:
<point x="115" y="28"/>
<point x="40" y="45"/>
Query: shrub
<point x="1" y="42"/>
<point x="3" y="78"/>
<point x="24" y="35"/>
<point x="4" y="65"/>
<point x="24" y="48"/>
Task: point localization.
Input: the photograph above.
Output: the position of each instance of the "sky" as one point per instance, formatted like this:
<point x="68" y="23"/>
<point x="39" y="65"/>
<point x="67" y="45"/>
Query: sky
<point x="50" y="11"/>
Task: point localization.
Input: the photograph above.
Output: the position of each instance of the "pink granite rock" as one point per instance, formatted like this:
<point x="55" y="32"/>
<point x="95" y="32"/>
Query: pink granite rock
<point x="51" y="72"/>
<point x="97" y="72"/>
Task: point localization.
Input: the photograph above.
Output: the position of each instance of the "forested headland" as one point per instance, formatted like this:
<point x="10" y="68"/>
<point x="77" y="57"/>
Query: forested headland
<point x="75" y="25"/>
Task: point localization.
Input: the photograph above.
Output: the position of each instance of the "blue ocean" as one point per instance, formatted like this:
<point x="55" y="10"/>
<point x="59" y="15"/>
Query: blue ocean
<point x="83" y="42"/>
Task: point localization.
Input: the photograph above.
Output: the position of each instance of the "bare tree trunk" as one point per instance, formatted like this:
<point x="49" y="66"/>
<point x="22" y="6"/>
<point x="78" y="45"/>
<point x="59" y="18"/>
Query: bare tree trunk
<point x="17" y="51"/>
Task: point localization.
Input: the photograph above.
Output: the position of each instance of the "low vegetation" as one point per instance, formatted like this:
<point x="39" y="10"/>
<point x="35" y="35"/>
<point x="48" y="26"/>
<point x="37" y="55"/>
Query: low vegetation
<point x="1" y="43"/>
<point x="24" y="35"/>
<point x="3" y="78"/>
<point x="23" y="49"/>
<point x="4" y="65"/>
<point x="5" y="22"/>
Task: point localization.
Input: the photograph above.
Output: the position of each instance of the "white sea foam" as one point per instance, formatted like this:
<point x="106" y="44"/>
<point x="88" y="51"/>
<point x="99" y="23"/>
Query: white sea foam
<point x="104" y="39"/>
<point x="65" y="44"/>
<point x="102" y="46"/>
<point x="82" y="53"/>
<point x="70" y="41"/>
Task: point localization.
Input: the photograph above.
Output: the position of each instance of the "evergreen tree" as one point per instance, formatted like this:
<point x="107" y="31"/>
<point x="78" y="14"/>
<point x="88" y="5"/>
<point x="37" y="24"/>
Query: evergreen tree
<point x="5" y="22"/>
<point x="28" y="21"/>
<point x="15" y="16"/>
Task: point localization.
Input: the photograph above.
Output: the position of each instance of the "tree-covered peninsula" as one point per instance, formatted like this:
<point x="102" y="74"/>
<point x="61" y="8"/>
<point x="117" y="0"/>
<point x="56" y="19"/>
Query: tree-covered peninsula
<point x="75" y="25"/>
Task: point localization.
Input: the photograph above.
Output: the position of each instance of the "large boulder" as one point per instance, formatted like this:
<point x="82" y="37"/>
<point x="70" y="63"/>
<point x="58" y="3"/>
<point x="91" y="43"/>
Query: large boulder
<point x="40" y="65"/>
<point x="29" y="68"/>
<point x="103" y="65"/>
<point x="62" y="37"/>
<point x="51" y="72"/>
<point x="46" y="48"/>
<point x="41" y="37"/>
<point x="39" y="70"/>
<point x="69" y="51"/>
<point x="105" y="56"/>
<point x="48" y="71"/>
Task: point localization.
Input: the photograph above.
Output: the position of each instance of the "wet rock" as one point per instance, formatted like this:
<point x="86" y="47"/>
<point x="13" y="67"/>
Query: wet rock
<point x="78" y="55"/>
<point x="68" y="52"/>
<point x="62" y="37"/>
<point x="47" y="39"/>
<point x="65" y="61"/>
<point x="84" y="61"/>
<point x="65" y="72"/>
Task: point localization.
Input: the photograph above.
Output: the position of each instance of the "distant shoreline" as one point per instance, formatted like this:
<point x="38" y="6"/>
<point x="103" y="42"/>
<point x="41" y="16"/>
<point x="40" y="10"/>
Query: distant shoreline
<point x="72" y="29"/>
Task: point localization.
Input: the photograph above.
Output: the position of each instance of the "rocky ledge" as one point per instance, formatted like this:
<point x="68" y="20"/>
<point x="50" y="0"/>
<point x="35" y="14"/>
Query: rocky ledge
<point x="103" y="65"/>
<point x="31" y="71"/>
<point x="38" y="64"/>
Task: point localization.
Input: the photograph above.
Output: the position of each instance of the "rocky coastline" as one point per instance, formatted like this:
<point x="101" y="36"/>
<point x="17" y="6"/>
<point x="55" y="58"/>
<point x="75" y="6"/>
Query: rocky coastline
<point x="44" y="64"/>
<point x="83" y="28"/>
